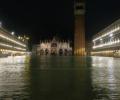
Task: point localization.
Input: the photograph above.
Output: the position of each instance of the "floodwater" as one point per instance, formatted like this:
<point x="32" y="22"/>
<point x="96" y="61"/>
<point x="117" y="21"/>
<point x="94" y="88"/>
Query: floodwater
<point x="59" y="78"/>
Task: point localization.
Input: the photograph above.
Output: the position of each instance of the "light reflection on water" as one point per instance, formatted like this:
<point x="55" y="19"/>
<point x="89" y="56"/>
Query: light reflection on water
<point x="59" y="78"/>
<point x="14" y="78"/>
<point x="106" y="78"/>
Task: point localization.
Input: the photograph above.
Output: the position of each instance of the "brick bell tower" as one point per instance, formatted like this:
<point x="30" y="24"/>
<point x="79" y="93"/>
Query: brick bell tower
<point x="79" y="28"/>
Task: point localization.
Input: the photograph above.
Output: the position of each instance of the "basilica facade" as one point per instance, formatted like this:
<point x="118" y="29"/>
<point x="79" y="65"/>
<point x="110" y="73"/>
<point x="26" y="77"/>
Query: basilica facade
<point x="53" y="47"/>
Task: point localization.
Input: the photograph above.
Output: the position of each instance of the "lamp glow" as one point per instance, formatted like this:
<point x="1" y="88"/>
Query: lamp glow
<point x="12" y="33"/>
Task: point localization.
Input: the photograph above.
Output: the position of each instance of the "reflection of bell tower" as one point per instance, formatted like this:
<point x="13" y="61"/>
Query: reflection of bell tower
<point x="79" y="29"/>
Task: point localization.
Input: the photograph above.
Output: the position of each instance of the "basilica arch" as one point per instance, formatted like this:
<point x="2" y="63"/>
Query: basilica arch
<point x="55" y="47"/>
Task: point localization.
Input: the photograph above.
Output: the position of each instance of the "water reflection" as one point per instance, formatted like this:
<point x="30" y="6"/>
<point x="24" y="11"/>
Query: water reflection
<point x="14" y="78"/>
<point x="105" y="78"/>
<point x="59" y="78"/>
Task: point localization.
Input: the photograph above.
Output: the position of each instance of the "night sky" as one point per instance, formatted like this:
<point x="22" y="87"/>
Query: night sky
<point x="43" y="19"/>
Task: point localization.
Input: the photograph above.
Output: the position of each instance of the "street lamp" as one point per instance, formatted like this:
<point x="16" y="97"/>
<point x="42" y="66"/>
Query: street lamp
<point x="18" y="37"/>
<point x="27" y="38"/>
<point x="12" y="33"/>
<point x="111" y="35"/>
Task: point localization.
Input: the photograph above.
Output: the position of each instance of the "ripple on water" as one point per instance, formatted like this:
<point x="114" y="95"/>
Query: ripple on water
<point x="14" y="79"/>
<point x="60" y="78"/>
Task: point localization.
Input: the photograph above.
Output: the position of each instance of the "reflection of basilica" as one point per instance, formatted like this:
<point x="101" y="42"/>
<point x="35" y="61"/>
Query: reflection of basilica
<point x="53" y="47"/>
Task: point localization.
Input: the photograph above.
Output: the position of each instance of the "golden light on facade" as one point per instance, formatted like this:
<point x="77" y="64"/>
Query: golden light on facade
<point x="108" y="33"/>
<point x="6" y="45"/>
<point x="27" y="38"/>
<point x="109" y="53"/>
<point x="11" y="51"/>
<point x="10" y="46"/>
<point x="20" y="48"/>
<point x="110" y="43"/>
<point x="19" y="37"/>
<point x="12" y="40"/>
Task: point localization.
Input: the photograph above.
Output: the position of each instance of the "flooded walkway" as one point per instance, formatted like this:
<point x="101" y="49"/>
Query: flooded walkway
<point x="59" y="78"/>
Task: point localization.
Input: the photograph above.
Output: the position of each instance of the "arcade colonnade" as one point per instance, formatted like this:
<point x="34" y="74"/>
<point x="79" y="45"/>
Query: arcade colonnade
<point x="107" y="41"/>
<point x="11" y="44"/>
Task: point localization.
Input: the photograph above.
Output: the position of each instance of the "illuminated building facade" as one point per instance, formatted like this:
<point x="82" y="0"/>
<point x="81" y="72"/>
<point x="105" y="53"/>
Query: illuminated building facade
<point x="11" y="44"/>
<point x="107" y="41"/>
<point x="88" y="47"/>
<point x="53" y="47"/>
<point x="79" y="33"/>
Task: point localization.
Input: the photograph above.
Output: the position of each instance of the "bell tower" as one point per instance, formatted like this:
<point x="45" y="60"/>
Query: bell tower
<point x="79" y="27"/>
